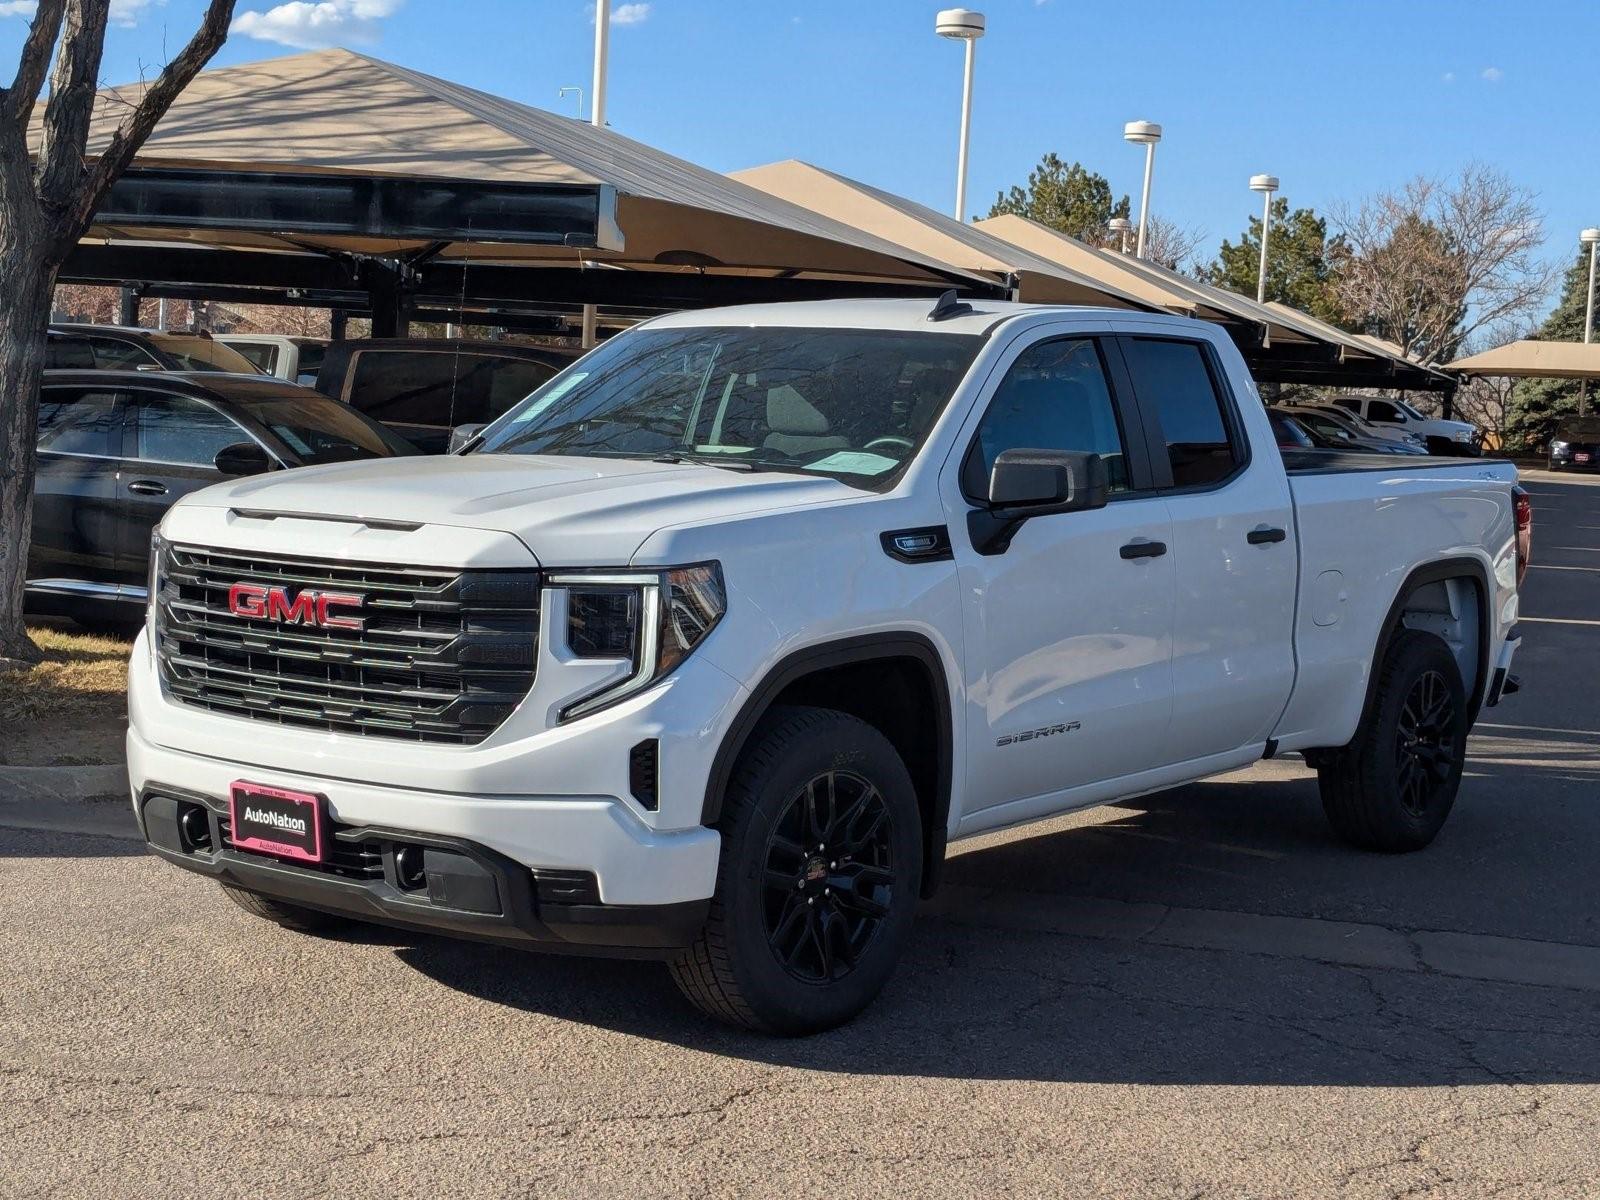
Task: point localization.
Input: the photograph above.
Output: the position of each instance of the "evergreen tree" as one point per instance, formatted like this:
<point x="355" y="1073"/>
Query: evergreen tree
<point x="1064" y="196"/>
<point x="1302" y="262"/>
<point x="1537" y="404"/>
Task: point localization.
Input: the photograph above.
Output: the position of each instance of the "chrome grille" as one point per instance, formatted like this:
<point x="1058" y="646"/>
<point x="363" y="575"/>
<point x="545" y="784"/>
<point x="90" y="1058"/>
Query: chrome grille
<point x="441" y="655"/>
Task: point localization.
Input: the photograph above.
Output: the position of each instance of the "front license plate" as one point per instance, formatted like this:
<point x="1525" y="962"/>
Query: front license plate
<point x="1580" y="457"/>
<point x="274" y="821"/>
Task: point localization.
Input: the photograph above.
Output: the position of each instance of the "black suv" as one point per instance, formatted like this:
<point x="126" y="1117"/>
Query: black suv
<point x="117" y="348"/>
<point x="118" y="448"/>
<point x="1575" y="445"/>
<point x="424" y="387"/>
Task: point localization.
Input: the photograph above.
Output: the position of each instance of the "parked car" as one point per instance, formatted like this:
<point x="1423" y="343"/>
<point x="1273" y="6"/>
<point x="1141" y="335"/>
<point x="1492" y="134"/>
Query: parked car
<point x="1438" y="435"/>
<point x="424" y="387"/>
<point x="297" y="359"/>
<point x="706" y="649"/>
<point x="1575" y="444"/>
<point x="1289" y="433"/>
<point x="117" y="348"/>
<point x="1409" y="443"/>
<point x="1337" y="430"/>
<point x="118" y="448"/>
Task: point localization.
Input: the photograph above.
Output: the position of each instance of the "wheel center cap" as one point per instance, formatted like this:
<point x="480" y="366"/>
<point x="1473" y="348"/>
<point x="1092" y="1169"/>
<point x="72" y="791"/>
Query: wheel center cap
<point x="815" y="870"/>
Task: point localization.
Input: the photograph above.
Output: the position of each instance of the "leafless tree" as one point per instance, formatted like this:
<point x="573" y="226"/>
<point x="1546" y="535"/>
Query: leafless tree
<point x="1169" y="244"/>
<point x="1486" y="402"/>
<point x="1438" y="260"/>
<point x="49" y="192"/>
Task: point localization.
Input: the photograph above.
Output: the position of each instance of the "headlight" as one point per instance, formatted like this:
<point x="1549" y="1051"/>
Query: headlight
<point x="153" y="589"/>
<point x="1463" y="435"/>
<point x="651" y="619"/>
<point x="1559" y="447"/>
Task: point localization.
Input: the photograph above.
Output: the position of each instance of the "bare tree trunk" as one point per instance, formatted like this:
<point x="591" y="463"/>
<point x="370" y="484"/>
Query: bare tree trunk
<point x="25" y="285"/>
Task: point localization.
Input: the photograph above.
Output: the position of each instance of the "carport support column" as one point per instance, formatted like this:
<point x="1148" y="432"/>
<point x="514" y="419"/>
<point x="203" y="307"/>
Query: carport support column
<point x="390" y="295"/>
<point x="128" y="306"/>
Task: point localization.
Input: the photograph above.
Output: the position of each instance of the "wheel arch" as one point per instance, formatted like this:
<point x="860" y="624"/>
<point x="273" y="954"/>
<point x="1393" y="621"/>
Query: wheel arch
<point x="1440" y="571"/>
<point x="815" y="674"/>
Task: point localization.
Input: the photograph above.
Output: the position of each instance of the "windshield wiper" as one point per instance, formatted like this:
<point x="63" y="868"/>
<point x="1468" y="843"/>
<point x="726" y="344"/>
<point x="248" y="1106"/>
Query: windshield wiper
<point x="709" y="460"/>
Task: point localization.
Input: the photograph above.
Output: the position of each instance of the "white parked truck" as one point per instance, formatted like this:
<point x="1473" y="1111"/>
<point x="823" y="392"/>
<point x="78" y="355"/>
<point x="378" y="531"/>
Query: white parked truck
<point x="707" y="650"/>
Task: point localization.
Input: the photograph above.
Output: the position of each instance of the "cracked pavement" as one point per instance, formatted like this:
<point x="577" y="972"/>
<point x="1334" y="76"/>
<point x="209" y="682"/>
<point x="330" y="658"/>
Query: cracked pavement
<point x="1197" y="993"/>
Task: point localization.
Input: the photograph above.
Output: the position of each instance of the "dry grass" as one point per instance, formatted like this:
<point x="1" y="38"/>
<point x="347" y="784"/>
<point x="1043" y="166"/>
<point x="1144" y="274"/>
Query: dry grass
<point x="72" y="707"/>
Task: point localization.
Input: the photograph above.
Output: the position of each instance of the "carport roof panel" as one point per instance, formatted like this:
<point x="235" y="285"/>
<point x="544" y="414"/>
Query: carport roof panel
<point x="337" y="111"/>
<point x="926" y="233"/>
<point x="1532" y="359"/>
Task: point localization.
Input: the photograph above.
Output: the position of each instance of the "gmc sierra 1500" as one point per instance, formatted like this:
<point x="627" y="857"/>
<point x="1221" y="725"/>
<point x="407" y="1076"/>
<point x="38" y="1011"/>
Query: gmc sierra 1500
<point x="705" y="650"/>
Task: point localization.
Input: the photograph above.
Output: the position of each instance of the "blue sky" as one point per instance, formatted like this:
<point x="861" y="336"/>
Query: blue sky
<point x="1338" y="99"/>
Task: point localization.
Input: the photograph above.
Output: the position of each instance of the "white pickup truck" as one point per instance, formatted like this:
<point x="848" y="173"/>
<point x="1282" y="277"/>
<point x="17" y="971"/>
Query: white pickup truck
<point x="706" y="650"/>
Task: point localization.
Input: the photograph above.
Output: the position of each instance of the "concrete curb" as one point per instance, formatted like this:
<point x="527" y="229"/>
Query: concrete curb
<point x="91" y="800"/>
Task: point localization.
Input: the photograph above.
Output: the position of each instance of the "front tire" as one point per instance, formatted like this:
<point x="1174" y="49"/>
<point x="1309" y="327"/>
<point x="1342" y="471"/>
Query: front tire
<point x="1393" y="786"/>
<point x="818" y="881"/>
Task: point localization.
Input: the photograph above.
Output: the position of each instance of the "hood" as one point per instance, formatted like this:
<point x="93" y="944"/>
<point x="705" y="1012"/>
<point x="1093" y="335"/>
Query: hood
<point x="568" y="511"/>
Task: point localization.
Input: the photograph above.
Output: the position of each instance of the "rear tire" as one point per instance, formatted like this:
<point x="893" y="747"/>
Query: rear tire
<point x="818" y="881"/>
<point x="290" y="916"/>
<point x="1393" y="786"/>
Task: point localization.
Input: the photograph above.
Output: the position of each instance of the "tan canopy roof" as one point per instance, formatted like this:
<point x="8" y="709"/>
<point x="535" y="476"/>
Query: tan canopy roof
<point x="337" y="111"/>
<point x="1534" y="359"/>
<point x="931" y="235"/>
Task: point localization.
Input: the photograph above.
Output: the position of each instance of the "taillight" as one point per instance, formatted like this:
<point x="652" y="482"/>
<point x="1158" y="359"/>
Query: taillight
<point x="1522" y="511"/>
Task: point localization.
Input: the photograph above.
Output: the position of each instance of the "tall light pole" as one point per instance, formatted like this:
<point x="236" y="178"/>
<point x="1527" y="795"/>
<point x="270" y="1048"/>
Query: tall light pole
<point x="1122" y="227"/>
<point x="1267" y="184"/>
<point x="1591" y="239"/>
<point x="967" y="26"/>
<point x="1146" y="134"/>
<point x="597" y="117"/>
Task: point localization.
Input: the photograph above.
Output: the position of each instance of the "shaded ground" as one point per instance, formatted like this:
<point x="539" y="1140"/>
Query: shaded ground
<point x="1197" y="993"/>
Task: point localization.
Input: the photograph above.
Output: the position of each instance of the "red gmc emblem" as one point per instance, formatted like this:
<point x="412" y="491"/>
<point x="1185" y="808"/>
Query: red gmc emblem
<point x="310" y="607"/>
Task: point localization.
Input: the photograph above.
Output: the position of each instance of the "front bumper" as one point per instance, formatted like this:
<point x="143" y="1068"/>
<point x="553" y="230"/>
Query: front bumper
<point x="419" y="881"/>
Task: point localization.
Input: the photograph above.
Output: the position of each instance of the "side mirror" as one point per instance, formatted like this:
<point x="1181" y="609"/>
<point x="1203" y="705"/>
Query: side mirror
<point x="243" y="458"/>
<point x="1034" y="483"/>
<point x="462" y="434"/>
<point x="1028" y="483"/>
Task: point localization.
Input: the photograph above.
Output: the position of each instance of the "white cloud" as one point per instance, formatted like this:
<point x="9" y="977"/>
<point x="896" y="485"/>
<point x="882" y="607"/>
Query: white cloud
<point x="1493" y="74"/>
<point x="317" y="24"/>
<point x="1448" y="77"/>
<point x="629" y="14"/>
<point x="18" y="8"/>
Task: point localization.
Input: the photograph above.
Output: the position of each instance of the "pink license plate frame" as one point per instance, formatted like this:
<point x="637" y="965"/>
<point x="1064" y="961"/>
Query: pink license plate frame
<point x="278" y="809"/>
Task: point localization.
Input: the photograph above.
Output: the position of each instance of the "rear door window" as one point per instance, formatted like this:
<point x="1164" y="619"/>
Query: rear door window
<point x="261" y="355"/>
<point x="1385" y="413"/>
<point x="311" y="356"/>
<point x="64" y="351"/>
<point x="181" y="430"/>
<point x="114" y="354"/>
<point x="80" y="421"/>
<point x="1175" y="385"/>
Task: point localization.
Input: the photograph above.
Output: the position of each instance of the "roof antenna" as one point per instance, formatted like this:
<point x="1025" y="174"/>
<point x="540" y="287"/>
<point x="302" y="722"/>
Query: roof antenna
<point x="949" y="305"/>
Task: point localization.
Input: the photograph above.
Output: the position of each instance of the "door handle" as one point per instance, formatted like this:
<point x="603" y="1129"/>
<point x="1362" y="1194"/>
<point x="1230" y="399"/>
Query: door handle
<point x="148" y="487"/>
<point x="1143" y="548"/>
<point x="1262" y="535"/>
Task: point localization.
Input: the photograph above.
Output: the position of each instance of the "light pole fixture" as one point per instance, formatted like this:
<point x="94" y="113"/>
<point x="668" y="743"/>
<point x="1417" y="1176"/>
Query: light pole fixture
<point x="1266" y="184"/>
<point x="967" y="26"/>
<point x="561" y="94"/>
<point x="1146" y="134"/>
<point x="1591" y="239"/>
<point x="1122" y="227"/>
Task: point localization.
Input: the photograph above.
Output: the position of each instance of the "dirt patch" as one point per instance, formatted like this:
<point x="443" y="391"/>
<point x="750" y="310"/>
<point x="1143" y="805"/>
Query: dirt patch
<point x="71" y="709"/>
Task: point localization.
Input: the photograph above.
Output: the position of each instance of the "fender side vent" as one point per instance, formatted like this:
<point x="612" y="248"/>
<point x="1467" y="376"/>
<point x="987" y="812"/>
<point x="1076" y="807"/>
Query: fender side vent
<point x="644" y="773"/>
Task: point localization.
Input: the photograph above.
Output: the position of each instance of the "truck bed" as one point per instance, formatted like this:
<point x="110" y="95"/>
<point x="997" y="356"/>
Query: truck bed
<point x="1325" y="462"/>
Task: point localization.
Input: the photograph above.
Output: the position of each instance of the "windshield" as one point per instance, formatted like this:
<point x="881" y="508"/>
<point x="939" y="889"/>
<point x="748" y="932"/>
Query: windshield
<point x="195" y="353"/>
<point x="1409" y="411"/>
<point x="1323" y="424"/>
<point x="319" y="430"/>
<point x="851" y="403"/>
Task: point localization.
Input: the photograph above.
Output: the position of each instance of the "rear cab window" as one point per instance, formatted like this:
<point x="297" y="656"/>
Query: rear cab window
<point x="81" y="421"/>
<point x="1181" y="398"/>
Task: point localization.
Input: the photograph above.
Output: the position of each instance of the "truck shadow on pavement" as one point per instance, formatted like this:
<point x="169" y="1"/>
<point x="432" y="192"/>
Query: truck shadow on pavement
<point x="1214" y="934"/>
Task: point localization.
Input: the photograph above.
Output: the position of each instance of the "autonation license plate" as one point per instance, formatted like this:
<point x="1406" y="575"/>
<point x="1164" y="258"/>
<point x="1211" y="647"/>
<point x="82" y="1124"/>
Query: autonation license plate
<point x="274" y="821"/>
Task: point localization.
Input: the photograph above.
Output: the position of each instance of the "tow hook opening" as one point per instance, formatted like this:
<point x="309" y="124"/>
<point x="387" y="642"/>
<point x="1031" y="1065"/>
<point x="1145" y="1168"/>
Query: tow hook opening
<point x="409" y="872"/>
<point x="194" y="828"/>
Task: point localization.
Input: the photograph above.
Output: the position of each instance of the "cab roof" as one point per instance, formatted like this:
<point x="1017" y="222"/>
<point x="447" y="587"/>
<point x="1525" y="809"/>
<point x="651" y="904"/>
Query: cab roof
<point x="907" y="315"/>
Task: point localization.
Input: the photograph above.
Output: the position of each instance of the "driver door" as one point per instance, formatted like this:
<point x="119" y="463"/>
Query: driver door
<point x="1068" y="632"/>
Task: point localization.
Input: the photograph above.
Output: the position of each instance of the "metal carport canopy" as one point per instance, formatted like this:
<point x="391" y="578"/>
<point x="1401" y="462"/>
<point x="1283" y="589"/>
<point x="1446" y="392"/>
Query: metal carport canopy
<point x="920" y="231"/>
<point x="294" y="172"/>
<point x="1531" y="359"/>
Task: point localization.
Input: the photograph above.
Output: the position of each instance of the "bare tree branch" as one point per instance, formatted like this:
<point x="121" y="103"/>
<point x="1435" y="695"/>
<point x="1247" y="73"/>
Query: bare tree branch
<point x="130" y="135"/>
<point x="71" y="105"/>
<point x="17" y="108"/>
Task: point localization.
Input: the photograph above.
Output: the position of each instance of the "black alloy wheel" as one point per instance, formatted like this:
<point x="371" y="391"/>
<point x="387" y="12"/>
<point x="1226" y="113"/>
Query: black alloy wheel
<point x="1425" y="742"/>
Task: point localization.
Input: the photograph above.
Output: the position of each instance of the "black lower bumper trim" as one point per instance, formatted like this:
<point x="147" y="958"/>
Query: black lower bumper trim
<point x="485" y="897"/>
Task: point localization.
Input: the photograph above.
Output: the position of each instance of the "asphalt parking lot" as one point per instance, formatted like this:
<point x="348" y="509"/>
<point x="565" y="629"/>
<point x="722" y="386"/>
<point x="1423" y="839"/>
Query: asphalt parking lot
<point x="1196" y="993"/>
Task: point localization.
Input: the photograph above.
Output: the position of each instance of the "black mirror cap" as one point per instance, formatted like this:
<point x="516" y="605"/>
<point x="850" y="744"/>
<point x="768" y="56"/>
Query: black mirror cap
<point x="1029" y="482"/>
<point x="462" y="434"/>
<point x="243" y="458"/>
